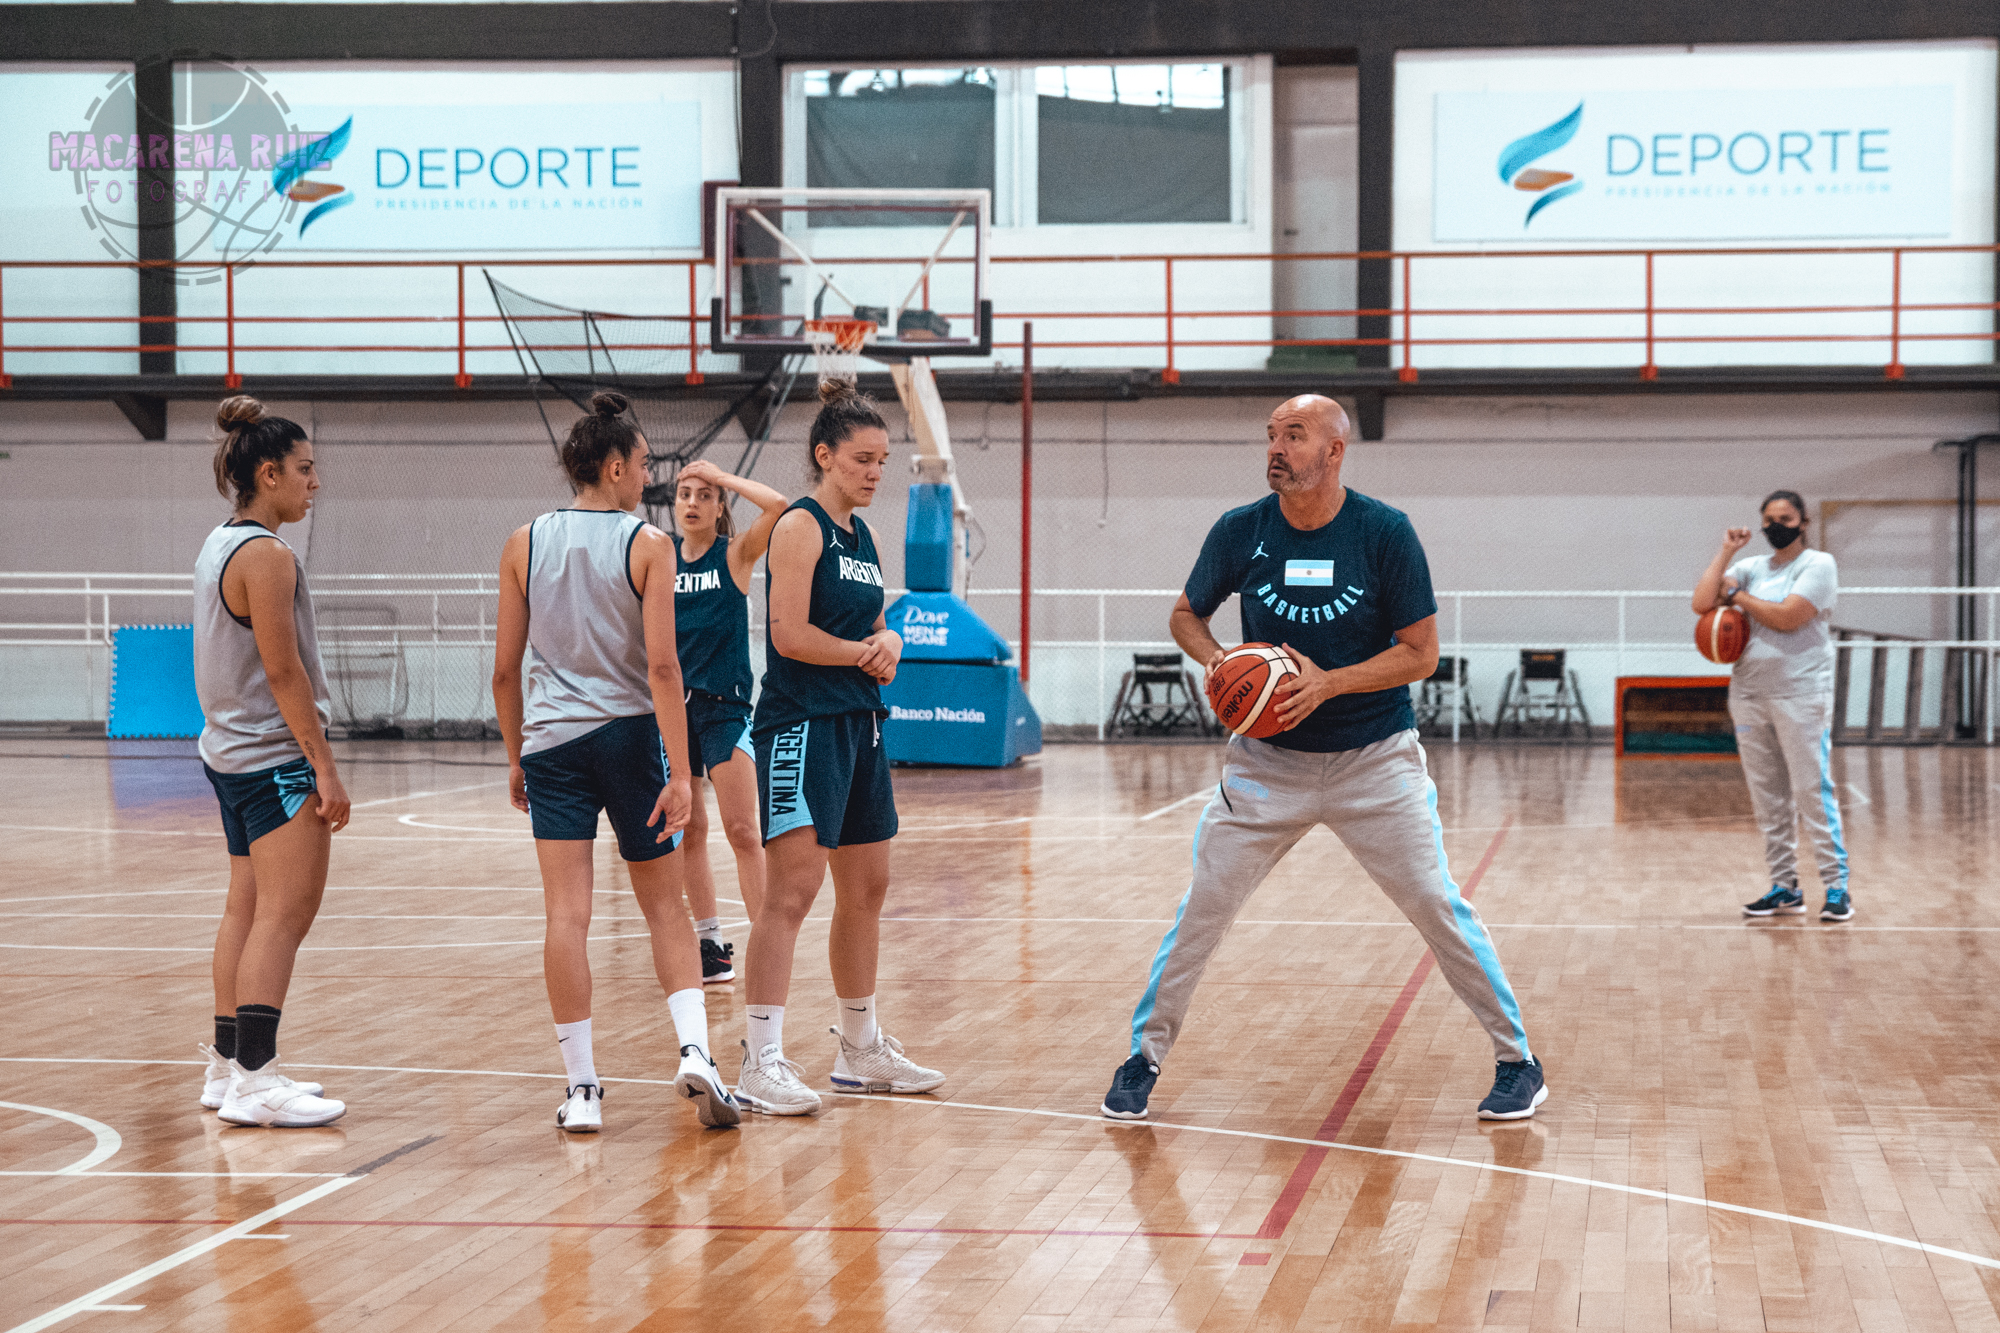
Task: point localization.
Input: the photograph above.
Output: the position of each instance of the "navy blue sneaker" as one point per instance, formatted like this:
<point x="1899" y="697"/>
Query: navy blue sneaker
<point x="1839" y="907"/>
<point x="718" y="962"/>
<point x="1780" y="901"/>
<point x="1518" y="1089"/>
<point x="1130" y="1087"/>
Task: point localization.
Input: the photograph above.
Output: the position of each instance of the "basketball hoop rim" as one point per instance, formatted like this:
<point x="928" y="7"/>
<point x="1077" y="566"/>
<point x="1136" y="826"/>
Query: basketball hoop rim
<point x="846" y="335"/>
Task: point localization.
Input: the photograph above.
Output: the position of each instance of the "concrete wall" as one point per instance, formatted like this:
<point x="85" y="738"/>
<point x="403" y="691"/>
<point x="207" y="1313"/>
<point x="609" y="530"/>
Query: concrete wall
<point x="1508" y="494"/>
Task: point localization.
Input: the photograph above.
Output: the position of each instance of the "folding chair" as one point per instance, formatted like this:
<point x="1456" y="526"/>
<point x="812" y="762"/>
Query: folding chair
<point x="1433" y="698"/>
<point x="1543" y="692"/>
<point x="1158" y="697"/>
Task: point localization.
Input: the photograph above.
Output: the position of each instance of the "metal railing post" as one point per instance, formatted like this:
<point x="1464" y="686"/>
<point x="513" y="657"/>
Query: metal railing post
<point x="1649" y="371"/>
<point x="1894" y="370"/>
<point x="1100" y="666"/>
<point x="1408" y="373"/>
<point x="230" y="378"/>
<point x="463" y="379"/>
<point x="1457" y="665"/>
<point x="6" y="380"/>
<point x="1170" y="375"/>
<point x="694" y="325"/>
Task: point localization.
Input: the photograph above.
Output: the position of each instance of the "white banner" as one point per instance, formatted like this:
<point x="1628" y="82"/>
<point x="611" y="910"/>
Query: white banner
<point x="1702" y="164"/>
<point x="493" y="177"/>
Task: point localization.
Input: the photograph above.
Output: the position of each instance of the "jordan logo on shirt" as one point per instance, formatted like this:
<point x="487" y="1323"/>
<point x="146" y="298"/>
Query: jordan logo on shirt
<point x="1258" y="554"/>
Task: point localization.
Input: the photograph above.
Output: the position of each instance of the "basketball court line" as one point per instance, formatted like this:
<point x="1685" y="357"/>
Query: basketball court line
<point x="1175" y="805"/>
<point x="107" y="1145"/>
<point x="1294" y="1192"/>
<point x="419" y="795"/>
<point x="1090" y="1119"/>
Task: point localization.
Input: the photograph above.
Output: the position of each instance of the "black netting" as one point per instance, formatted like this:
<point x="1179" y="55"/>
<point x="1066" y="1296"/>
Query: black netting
<point x="573" y="353"/>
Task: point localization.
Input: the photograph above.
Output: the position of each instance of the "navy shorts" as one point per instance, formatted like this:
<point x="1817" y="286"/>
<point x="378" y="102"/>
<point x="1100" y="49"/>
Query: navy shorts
<point x="717" y="728"/>
<point x="254" y="804"/>
<point x="619" y="769"/>
<point x="830" y="773"/>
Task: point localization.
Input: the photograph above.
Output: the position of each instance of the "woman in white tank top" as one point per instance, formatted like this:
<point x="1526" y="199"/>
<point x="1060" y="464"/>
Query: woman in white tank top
<point x="264" y="747"/>
<point x="587" y="597"/>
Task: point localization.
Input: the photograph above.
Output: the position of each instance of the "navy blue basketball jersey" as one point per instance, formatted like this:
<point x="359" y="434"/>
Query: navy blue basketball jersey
<point x="846" y="601"/>
<point x="712" y="626"/>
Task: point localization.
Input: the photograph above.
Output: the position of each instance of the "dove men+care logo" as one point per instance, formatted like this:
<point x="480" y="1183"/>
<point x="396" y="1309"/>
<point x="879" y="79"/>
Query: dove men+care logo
<point x="1701" y="164"/>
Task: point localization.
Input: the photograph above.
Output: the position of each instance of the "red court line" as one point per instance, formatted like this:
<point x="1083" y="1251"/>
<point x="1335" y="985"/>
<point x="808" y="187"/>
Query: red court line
<point x="1301" y="1180"/>
<point x="623" y="1226"/>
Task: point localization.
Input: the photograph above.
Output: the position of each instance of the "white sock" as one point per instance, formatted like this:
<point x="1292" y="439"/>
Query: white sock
<point x="573" y="1040"/>
<point x="690" y="1013"/>
<point x="857" y="1022"/>
<point x="709" y="928"/>
<point x="766" y="1028"/>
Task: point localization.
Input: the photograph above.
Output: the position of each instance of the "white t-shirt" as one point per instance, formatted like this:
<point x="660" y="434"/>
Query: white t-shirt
<point x="1783" y="666"/>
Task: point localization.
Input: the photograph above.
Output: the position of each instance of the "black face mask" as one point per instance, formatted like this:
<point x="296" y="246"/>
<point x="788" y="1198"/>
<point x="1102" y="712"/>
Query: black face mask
<point x="1781" y="536"/>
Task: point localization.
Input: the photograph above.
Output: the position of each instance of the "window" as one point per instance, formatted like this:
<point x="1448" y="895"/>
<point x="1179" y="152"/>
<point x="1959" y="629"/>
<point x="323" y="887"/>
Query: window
<point x="1132" y="143"/>
<point x="1059" y="145"/>
<point x="893" y="129"/>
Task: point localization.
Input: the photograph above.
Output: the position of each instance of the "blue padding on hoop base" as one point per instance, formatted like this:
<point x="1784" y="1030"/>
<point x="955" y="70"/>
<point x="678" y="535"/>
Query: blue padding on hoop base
<point x="152" y="683"/>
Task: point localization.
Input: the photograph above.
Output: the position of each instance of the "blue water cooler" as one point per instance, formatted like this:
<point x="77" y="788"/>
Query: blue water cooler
<point x="957" y="698"/>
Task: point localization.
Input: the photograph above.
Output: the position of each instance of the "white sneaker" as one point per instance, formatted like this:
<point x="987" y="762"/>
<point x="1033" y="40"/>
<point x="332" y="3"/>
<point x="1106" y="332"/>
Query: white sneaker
<point x="701" y="1083"/>
<point x="770" y="1084"/>
<point x="880" y="1068"/>
<point x="267" y="1098"/>
<point x="215" y="1083"/>
<point x="582" y="1111"/>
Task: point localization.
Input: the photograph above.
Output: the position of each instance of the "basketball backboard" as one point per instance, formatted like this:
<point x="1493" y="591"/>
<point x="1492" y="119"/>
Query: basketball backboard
<point x="912" y="261"/>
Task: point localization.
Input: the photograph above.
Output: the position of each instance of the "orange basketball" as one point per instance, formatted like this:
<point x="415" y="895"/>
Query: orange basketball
<point x="1244" y="684"/>
<point x="1722" y="634"/>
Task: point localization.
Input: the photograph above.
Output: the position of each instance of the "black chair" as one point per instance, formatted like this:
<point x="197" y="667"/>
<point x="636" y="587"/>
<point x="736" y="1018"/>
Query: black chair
<point x="1543" y="693"/>
<point x="1433" y="698"/>
<point x="1158" y="697"/>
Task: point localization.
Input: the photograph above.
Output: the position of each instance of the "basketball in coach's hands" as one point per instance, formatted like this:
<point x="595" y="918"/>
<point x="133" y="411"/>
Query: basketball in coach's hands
<point x="1243" y="688"/>
<point x="1722" y="634"/>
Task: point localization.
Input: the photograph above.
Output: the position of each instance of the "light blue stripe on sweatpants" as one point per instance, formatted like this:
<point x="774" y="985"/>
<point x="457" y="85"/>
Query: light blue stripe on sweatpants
<point x="1473" y="930"/>
<point x="1144" y="1013"/>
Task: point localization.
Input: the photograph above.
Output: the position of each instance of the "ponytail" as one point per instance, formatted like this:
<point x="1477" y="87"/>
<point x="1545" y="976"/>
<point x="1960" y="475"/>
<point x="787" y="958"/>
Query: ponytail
<point x="250" y="439"/>
<point x="595" y="437"/>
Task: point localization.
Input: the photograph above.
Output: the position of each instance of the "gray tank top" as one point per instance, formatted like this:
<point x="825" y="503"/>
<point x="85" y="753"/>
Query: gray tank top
<point x="586" y="633"/>
<point x="245" y="732"/>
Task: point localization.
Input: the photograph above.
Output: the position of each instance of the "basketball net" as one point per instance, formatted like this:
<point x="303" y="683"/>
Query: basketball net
<point x="836" y="345"/>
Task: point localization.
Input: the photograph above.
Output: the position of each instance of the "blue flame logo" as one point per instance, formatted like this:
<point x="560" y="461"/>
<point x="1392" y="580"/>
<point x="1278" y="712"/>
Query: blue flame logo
<point x="1550" y="185"/>
<point x="288" y="176"/>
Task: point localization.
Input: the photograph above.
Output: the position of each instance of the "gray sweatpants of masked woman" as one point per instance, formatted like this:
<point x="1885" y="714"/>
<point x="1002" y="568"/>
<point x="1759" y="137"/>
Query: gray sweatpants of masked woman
<point x="1380" y="802"/>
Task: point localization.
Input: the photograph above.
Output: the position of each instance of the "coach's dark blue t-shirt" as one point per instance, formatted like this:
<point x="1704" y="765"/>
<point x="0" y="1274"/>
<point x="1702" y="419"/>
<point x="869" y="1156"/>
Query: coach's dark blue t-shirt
<point x="1338" y="594"/>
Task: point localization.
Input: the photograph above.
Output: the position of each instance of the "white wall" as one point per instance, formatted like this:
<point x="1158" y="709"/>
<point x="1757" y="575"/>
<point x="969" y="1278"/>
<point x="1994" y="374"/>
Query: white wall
<point x="1528" y="494"/>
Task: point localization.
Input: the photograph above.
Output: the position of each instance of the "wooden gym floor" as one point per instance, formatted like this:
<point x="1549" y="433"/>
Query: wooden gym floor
<point x="1779" y="1125"/>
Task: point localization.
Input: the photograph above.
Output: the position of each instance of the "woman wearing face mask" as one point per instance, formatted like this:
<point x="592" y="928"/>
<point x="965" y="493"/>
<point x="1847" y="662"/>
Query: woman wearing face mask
<point x="1781" y="699"/>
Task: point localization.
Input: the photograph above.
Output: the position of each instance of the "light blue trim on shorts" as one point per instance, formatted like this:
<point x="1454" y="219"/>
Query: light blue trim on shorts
<point x="1830" y="804"/>
<point x="1472" y="931"/>
<point x="744" y="744"/>
<point x="292" y="794"/>
<point x="1144" y="1013"/>
<point x="800" y="816"/>
<point x="667" y="772"/>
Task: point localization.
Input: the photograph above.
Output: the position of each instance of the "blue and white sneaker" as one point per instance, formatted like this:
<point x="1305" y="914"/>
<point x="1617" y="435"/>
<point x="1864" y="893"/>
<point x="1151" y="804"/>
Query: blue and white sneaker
<point x="1518" y="1088"/>
<point x="1780" y="901"/>
<point x="1839" y="907"/>
<point x="1130" y="1087"/>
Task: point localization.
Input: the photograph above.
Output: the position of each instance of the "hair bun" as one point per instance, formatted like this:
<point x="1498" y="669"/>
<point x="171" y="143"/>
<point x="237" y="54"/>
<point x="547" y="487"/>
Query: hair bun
<point x="237" y="412"/>
<point x="837" y="390"/>
<point x="609" y="405"/>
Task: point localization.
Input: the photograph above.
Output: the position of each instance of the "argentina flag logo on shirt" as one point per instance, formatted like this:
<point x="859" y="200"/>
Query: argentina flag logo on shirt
<point x="1309" y="573"/>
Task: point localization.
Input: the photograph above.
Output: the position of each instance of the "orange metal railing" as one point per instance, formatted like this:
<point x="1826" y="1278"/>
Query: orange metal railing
<point x="1177" y="326"/>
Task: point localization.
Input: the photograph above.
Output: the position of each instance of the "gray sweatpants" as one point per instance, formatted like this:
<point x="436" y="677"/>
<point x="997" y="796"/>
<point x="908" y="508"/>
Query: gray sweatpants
<point x="1382" y="805"/>
<point x="1787" y="751"/>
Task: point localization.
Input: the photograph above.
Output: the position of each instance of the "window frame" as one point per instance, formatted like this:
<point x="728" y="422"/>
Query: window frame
<point x="1016" y="145"/>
